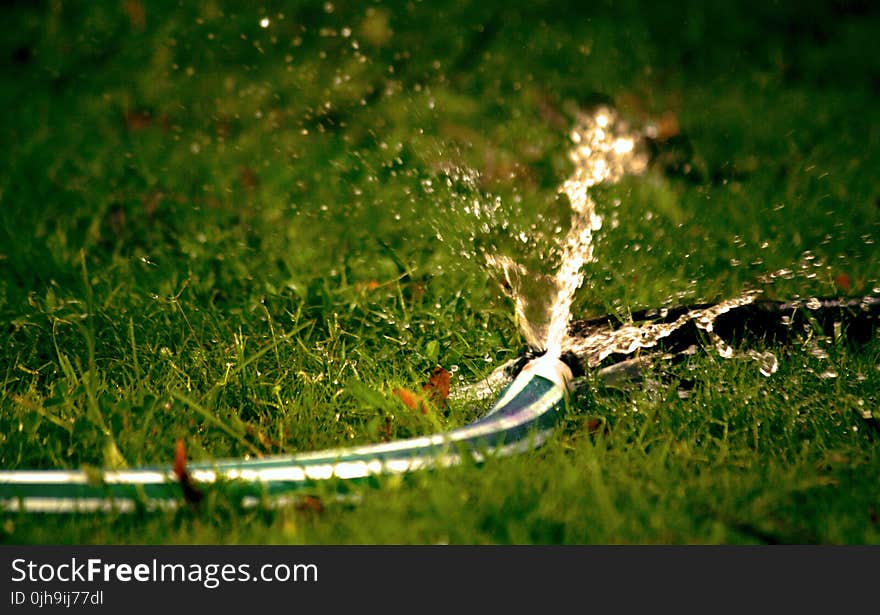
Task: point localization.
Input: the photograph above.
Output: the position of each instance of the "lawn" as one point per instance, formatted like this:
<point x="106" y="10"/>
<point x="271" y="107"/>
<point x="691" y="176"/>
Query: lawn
<point x="246" y="228"/>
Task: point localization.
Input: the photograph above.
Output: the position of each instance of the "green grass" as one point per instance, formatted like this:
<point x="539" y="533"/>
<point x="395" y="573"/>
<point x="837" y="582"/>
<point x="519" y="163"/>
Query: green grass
<point x="225" y="233"/>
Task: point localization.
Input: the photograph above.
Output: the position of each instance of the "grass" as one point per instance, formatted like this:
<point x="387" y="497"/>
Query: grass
<point x="246" y="237"/>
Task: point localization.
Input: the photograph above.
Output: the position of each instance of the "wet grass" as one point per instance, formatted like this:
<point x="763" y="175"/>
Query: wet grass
<point x="228" y="233"/>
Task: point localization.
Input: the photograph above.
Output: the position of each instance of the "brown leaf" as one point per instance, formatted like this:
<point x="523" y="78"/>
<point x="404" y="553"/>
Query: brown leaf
<point x="437" y="387"/>
<point x="668" y="126"/>
<point x="597" y="426"/>
<point x="411" y="400"/>
<point x="310" y="503"/>
<point x="367" y="285"/>
<point x="138" y="120"/>
<point x="434" y="392"/>
<point x="191" y="493"/>
<point x="179" y="459"/>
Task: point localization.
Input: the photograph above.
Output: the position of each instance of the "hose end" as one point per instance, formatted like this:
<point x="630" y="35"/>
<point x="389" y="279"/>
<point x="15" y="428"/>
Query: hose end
<point x="551" y="368"/>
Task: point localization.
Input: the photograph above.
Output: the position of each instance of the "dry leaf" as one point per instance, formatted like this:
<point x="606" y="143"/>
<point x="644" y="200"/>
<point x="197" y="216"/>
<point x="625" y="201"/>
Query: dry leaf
<point x="138" y="120"/>
<point x="597" y="426"/>
<point x="191" y="493"/>
<point x="434" y="392"/>
<point x="668" y="126"/>
<point x="413" y="401"/>
<point x="437" y="387"/>
<point x="366" y="286"/>
<point x="310" y="503"/>
<point x="179" y="459"/>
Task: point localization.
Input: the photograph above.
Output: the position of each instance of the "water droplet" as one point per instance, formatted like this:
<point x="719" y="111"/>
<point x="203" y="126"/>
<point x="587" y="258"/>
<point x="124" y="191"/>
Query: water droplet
<point x="768" y="364"/>
<point x="817" y="352"/>
<point x="724" y="349"/>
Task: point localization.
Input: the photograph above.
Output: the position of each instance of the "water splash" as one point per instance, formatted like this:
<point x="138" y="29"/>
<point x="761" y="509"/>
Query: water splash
<point x="768" y="364"/>
<point x="599" y="343"/>
<point x="605" y="149"/>
<point x="531" y="295"/>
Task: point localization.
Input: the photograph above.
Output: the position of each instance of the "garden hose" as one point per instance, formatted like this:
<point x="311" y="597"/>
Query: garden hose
<point x="521" y="419"/>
